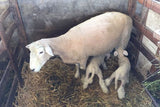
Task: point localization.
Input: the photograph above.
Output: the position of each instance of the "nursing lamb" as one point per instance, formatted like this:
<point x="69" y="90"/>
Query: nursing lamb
<point x="122" y="73"/>
<point x="96" y="36"/>
<point x="92" y="69"/>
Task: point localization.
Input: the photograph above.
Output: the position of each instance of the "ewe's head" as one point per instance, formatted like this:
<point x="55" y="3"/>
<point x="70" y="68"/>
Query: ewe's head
<point x="39" y="54"/>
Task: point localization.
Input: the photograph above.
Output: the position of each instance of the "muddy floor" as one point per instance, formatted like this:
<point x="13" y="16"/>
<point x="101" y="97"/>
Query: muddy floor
<point x="55" y="86"/>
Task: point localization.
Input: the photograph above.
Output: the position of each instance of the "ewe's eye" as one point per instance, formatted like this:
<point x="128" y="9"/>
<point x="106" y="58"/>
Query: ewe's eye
<point x="41" y="52"/>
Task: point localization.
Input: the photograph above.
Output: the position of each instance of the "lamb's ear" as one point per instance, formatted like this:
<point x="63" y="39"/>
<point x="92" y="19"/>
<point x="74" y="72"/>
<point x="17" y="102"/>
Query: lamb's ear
<point x="27" y="46"/>
<point x="49" y="50"/>
<point x="115" y="53"/>
<point x="125" y="53"/>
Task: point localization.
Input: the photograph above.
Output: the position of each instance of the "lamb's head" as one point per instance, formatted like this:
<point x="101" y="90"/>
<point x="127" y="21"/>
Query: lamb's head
<point x="39" y="54"/>
<point x="120" y="53"/>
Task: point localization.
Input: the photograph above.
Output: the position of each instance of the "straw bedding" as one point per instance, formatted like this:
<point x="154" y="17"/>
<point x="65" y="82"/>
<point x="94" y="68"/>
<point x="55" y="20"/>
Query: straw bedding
<point x="55" y="86"/>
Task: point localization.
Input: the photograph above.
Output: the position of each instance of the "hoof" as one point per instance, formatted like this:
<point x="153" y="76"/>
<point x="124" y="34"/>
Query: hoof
<point x="76" y="75"/>
<point x="107" y="82"/>
<point x="121" y="93"/>
<point x="105" y="90"/>
<point x="85" y="86"/>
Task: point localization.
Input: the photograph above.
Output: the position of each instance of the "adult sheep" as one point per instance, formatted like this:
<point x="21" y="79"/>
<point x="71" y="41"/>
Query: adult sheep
<point x="96" y="36"/>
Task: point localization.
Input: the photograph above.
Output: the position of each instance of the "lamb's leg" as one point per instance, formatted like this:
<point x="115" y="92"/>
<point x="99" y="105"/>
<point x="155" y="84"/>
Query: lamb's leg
<point x="87" y="79"/>
<point x="109" y="80"/>
<point x="116" y="83"/>
<point x="121" y="91"/>
<point x="116" y="78"/>
<point x="101" y="82"/>
<point x="77" y="71"/>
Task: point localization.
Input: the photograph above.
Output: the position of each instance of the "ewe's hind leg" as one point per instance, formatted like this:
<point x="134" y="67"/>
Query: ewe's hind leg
<point x="77" y="71"/>
<point x="109" y="80"/>
<point x="101" y="82"/>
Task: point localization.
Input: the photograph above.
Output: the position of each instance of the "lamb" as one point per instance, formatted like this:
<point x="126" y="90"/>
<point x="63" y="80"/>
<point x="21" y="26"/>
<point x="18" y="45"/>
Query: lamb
<point x="93" y="68"/>
<point x="96" y="36"/>
<point x="122" y="73"/>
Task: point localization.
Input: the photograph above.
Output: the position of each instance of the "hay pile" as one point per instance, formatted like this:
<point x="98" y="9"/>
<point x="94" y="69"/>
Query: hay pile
<point x="55" y="86"/>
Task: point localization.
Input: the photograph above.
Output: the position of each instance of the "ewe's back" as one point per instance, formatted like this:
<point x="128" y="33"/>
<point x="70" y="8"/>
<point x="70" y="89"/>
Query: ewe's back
<point x="99" y="32"/>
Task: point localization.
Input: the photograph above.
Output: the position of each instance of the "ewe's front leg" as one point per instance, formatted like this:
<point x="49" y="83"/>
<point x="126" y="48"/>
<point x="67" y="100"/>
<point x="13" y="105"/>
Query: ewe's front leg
<point x="77" y="71"/>
<point x="82" y="65"/>
<point x="83" y="62"/>
<point x="102" y="82"/>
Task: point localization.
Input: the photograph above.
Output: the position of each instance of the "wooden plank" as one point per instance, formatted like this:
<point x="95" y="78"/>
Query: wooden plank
<point x="145" y="31"/>
<point x="151" y="4"/>
<point x="145" y="52"/>
<point x="131" y="7"/>
<point x="130" y="3"/>
<point x="4" y="14"/>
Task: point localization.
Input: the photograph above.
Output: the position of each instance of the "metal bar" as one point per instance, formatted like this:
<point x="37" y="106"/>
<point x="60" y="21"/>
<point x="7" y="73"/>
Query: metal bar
<point x="13" y="62"/>
<point x="2" y="48"/>
<point x="12" y="92"/>
<point x="4" y="14"/>
<point x="16" y="52"/>
<point x="20" y="25"/>
<point x="21" y="28"/>
<point x="154" y="101"/>
<point x="3" y="65"/>
<point x="151" y="4"/>
<point x="9" y="32"/>
<point x="4" y="80"/>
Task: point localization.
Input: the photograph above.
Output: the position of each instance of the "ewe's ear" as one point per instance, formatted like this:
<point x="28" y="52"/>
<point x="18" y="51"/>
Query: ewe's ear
<point x="49" y="50"/>
<point x="115" y="53"/>
<point x="125" y="53"/>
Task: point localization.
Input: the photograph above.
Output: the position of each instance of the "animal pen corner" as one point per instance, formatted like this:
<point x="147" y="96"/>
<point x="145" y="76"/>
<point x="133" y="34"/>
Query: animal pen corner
<point x="17" y="55"/>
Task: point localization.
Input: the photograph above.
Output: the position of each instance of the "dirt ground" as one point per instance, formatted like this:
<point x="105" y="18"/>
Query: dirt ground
<point x="55" y="86"/>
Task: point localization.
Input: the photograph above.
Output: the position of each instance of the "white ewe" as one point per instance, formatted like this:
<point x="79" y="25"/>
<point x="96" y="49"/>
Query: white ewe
<point x="96" y="36"/>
